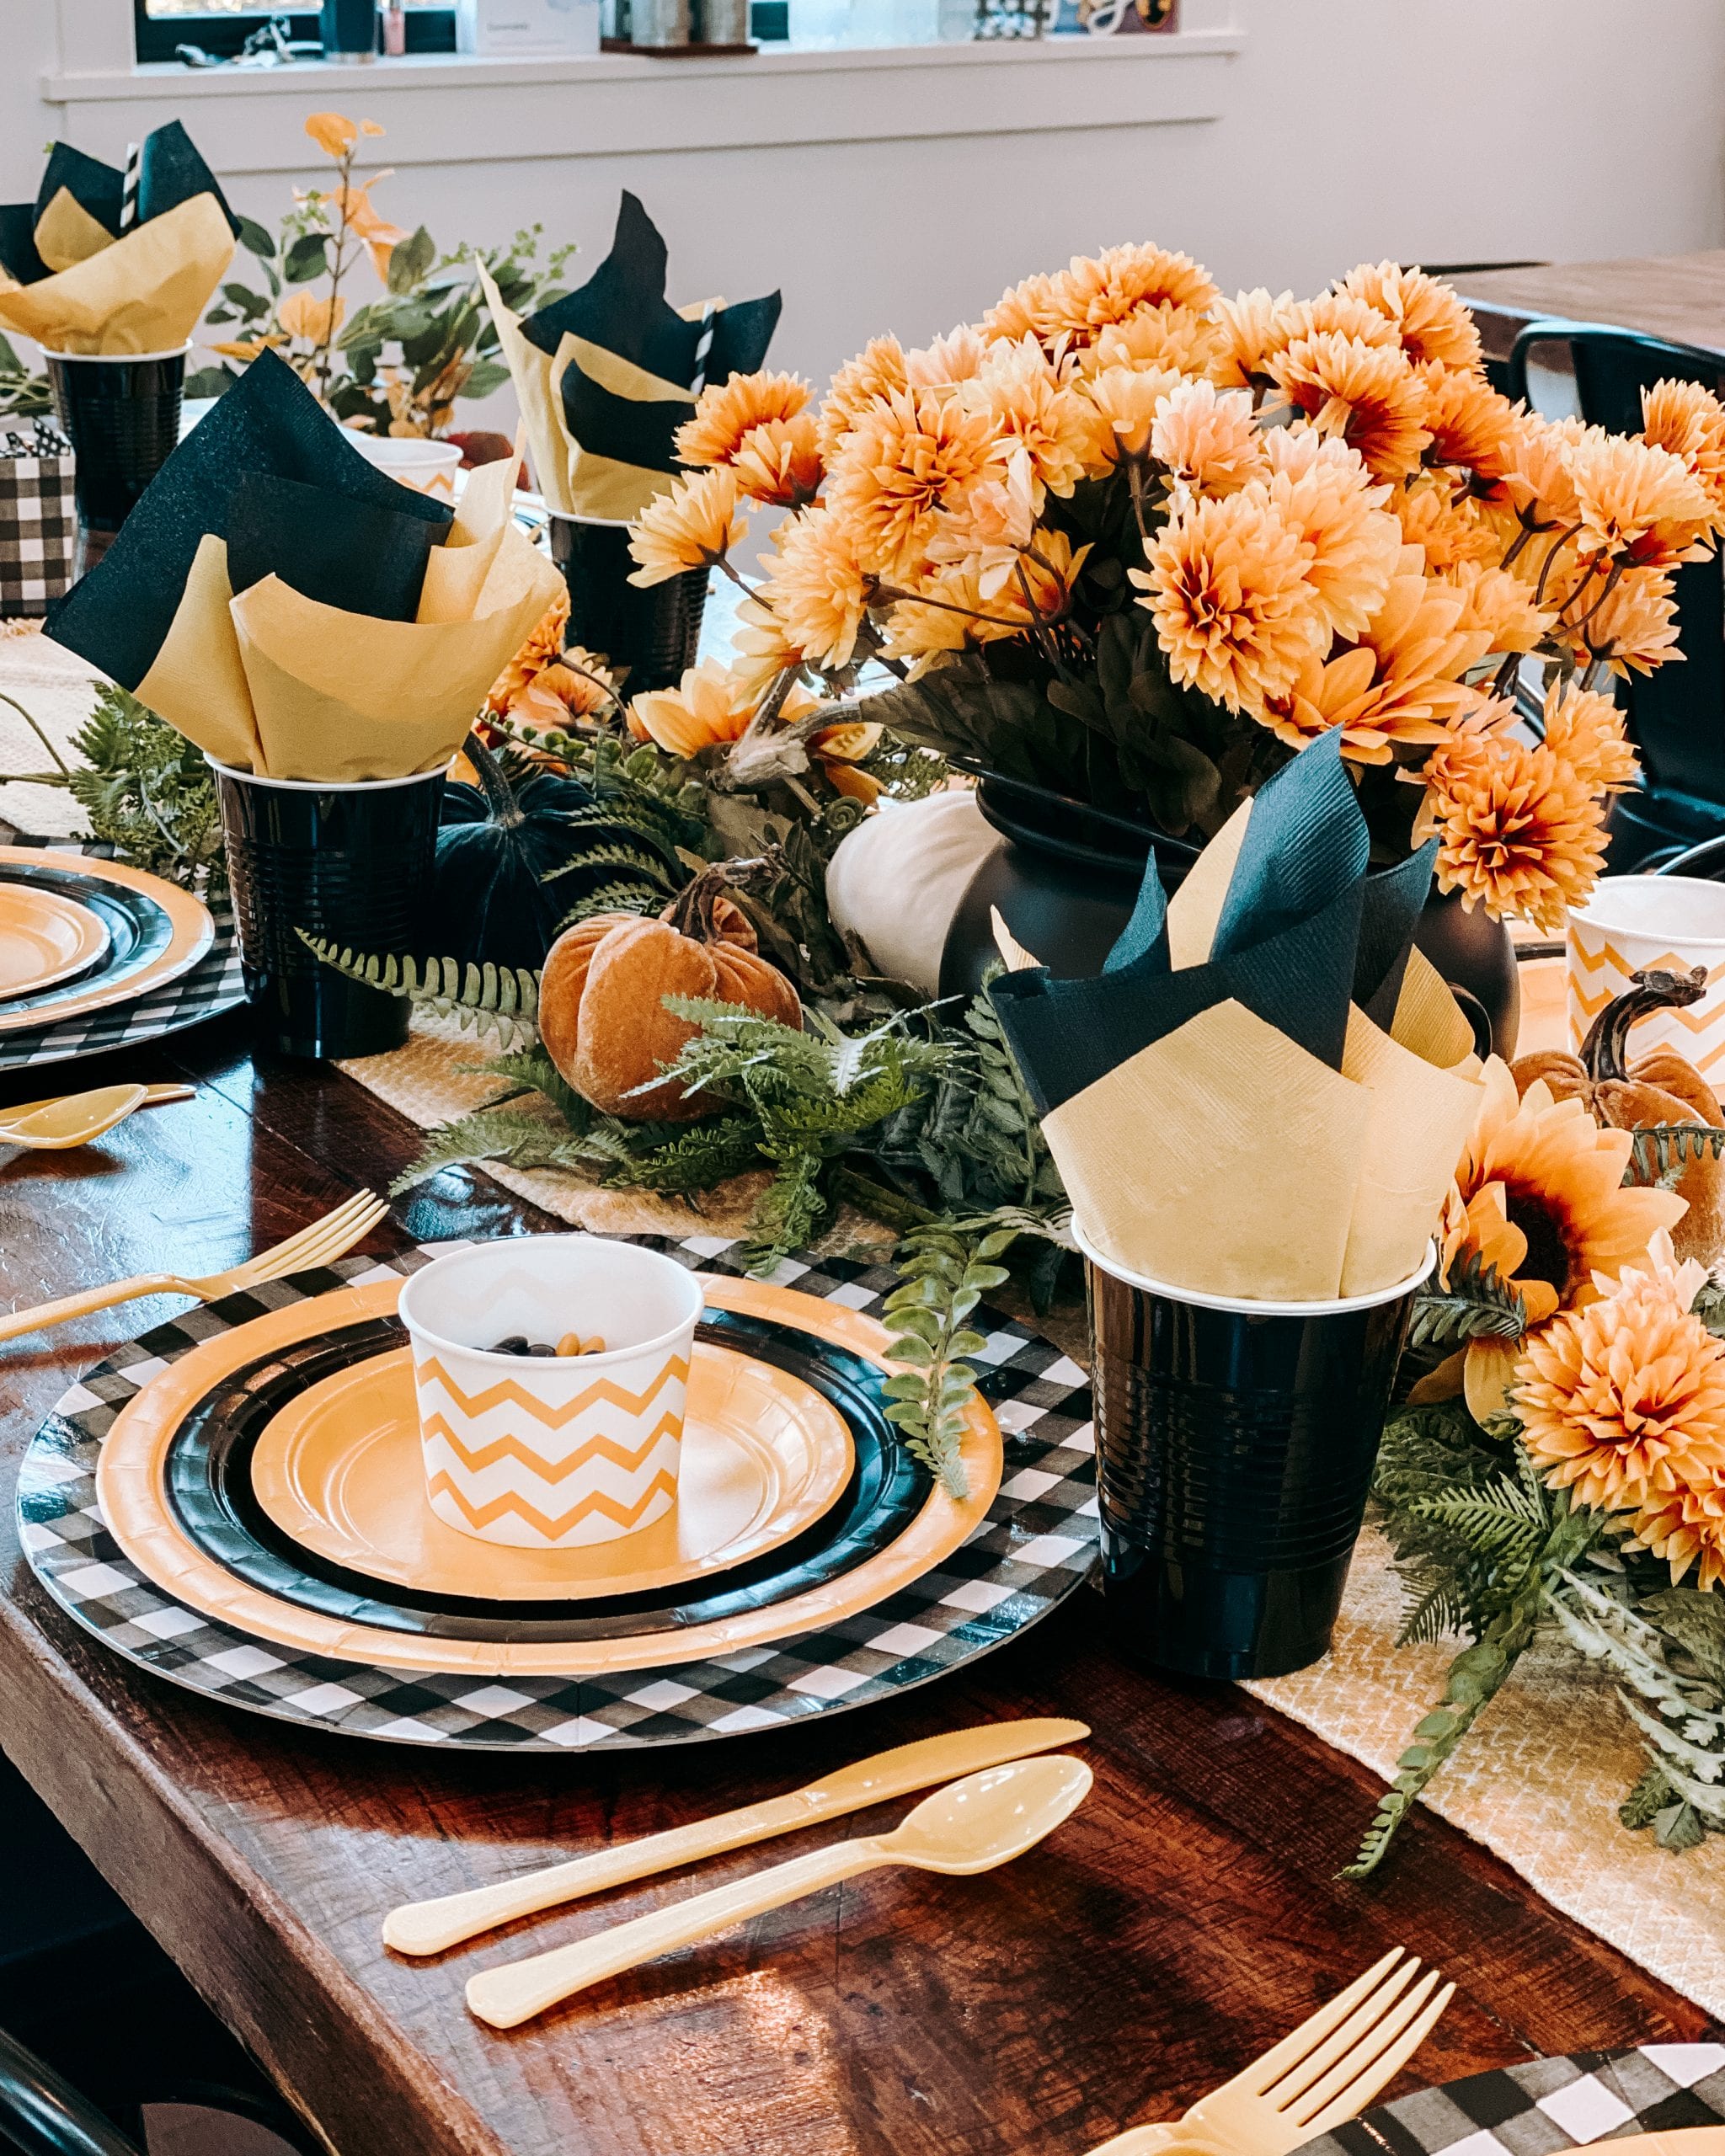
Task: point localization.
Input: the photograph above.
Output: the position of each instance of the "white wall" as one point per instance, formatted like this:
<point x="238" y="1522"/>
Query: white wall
<point x="1441" y="130"/>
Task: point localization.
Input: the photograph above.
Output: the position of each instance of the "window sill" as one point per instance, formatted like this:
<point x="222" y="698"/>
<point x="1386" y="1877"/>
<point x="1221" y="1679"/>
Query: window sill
<point x="452" y="108"/>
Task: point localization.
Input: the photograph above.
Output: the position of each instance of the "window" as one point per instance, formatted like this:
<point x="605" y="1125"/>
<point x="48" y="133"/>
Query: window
<point x="222" y="27"/>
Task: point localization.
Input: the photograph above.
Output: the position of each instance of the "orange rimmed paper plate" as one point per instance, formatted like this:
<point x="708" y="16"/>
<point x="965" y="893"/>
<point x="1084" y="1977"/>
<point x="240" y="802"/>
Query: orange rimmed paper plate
<point x="132" y="1490"/>
<point x="45" y="938"/>
<point x="182" y="931"/>
<point x="339" y="1470"/>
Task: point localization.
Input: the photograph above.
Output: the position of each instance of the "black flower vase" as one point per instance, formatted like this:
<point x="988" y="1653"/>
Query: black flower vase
<point x="1065" y="875"/>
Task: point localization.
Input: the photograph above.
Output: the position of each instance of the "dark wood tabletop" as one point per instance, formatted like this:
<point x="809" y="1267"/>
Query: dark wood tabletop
<point x="1680" y="297"/>
<point x="1186" y="1916"/>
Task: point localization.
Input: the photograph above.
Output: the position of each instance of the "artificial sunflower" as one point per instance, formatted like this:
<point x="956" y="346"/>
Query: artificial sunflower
<point x="707" y="707"/>
<point x="1539" y="1197"/>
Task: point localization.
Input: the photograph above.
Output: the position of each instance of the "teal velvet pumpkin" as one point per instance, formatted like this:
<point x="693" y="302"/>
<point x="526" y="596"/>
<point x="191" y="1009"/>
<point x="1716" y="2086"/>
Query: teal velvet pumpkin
<point x="498" y="843"/>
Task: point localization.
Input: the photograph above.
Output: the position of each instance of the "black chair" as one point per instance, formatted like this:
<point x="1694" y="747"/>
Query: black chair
<point x="1676" y="714"/>
<point x="90" y="2001"/>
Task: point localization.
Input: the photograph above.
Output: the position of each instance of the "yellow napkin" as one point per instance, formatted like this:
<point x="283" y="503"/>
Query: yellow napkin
<point x="1225" y="1158"/>
<point x="279" y="684"/>
<point x="142" y="292"/>
<point x="574" y="482"/>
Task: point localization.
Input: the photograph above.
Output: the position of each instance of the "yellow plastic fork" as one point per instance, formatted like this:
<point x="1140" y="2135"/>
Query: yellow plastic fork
<point x="323" y="1241"/>
<point x="1327" y="2070"/>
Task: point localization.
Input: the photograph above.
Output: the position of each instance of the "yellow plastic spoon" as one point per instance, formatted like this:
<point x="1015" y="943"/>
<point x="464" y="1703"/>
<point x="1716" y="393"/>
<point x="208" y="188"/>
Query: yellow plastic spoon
<point x="970" y="1826"/>
<point x="54" y="1125"/>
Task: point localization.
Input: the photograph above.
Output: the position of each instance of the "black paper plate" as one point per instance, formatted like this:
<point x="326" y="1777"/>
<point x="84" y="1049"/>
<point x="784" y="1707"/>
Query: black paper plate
<point x="208" y="1478"/>
<point x="139" y="930"/>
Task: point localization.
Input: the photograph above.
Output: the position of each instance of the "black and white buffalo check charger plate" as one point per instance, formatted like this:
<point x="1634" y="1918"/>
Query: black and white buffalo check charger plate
<point x="1036" y="1545"/>
<point x="1545" y="2105"/>
<point x="215" y="984"/>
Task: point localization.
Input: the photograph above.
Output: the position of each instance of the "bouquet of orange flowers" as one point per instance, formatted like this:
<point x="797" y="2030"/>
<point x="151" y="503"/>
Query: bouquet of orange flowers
<point x="1134" y="542"/>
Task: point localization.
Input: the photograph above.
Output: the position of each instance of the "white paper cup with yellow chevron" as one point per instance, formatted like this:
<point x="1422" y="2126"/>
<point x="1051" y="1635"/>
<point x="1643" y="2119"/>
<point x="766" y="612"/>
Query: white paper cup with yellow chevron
<point x="543" y="1452"/>
<point x="1640" y="924"/>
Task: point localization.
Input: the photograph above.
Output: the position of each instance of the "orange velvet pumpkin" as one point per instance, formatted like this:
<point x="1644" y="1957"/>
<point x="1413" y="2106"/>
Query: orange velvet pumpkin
<point x="1657" y="1089"/>
<point x="601" y="1011"/>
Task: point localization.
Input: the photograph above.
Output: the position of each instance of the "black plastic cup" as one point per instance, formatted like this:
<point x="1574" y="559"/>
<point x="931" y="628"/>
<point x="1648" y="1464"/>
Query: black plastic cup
<point x="654" y="632"/>
<point x="1235" y="1443"/>
<point x="121" y="414"/>
<point x="351" y="863"/>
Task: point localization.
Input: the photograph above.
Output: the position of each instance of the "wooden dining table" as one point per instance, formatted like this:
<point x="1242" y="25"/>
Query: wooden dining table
<point x="1680" y="297"/>
<point x="1188" y="1914"/>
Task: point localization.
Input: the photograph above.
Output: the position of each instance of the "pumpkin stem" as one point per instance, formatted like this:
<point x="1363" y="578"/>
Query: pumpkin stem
<point x="1604" y="1052"/>
<point x="691" y="913"/>
<point x="499" y="796"/>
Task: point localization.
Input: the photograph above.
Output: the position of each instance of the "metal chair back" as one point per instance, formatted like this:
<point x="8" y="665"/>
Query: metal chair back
<point x="1676" y="714"/>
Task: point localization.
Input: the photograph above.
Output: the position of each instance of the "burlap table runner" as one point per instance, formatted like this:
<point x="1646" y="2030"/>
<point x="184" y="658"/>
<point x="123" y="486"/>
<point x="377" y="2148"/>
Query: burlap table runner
<point x="1539" y="1780"/>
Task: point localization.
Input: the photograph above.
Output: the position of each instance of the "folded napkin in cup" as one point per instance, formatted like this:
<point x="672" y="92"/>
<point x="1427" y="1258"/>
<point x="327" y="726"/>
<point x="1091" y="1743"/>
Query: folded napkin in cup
<point x="295" y="611"/>
<point x="1265" y="1093"/>
<point x="107" y="263"/>
<point x="607" y="374"/>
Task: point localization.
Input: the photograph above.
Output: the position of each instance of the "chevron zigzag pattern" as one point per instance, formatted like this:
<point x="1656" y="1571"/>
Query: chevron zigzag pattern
<point x="597" y="1504"/>
<point x="614" y="1452"/>
<point x="511" y="1392"/>
<point x="1597" y="978"/>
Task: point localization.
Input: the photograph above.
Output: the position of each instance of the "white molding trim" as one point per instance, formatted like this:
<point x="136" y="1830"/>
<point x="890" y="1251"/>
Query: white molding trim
<point x="450" y="110"/>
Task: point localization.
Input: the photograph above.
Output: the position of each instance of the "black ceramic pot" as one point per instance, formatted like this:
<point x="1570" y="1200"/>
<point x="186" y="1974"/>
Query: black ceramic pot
<point x="1065" y="875"/>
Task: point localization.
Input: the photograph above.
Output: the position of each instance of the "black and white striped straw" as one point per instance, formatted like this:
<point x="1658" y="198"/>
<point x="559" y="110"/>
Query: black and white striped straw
<point x="129" y="196"/>
<point x="709" y="315"/>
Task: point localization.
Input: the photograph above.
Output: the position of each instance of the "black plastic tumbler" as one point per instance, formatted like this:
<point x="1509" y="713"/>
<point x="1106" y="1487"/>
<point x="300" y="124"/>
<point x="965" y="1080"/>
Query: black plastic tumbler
<point x="1235" y="1451"/>
<point x="350" y="864"/>
<point x="654" y="632"/>
<point x="121" y="414"/>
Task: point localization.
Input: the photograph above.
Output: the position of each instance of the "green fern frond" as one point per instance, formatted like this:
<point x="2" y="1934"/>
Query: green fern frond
<point x="517" y="1136"/>
<point x="630" y="897"/>
<point x="1660" y="1154"/>
<point x="649" y="867"/>
<point x="1475" y="1303"/>
<point x="500" y="1000"/>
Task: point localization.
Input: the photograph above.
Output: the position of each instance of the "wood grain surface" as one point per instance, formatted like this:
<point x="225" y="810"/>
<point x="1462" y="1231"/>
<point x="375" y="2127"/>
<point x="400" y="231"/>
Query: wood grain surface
<point x="1189" y="1914"/>
<point x="1678" y="296"/>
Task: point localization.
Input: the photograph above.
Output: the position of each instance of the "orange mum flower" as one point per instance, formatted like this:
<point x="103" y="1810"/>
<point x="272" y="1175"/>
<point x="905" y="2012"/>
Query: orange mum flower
<point x="1634" y="629"/>
<point x="954" y="615"/>
<point x="1227" y="589"/>
<point x="1586" y="731"/>
<point x="577" y="685"/>
<point x="1468" y="422"/>
<point x="878" y="369"/>
<point x="1497" y="604"/>
<point x="1685" y="1526"/>
<point x="1623" y="1403"/>
<point x="1539" y="1194"/>
<point x="1155" y="336"/>
<point x="818" y="590"/>
<point x="1519" y="832"/>
<point x="705" y="707"/>
<point x="956" y="357"/>
<point x="1366" y="393"/>
<point x="1250" y="330"/>
<point x="907" y="458"/>
<point x="1095" y="292"/>
<point x="727" y="411"/>
<point x="1324" y="491"/>
<point x="779" y="461"/>
<point x="1208" y="439"/>
<point x="692" y="525"/>
<point x="543" y="644"/>
<point x="1428" y="317"/>
<point x="1449" y="529"/>
<point x="1126" y="399"/>
<point x="1026" y="403"/>
<point x="1637" y="505"/>
<point x="1689" y="421"/>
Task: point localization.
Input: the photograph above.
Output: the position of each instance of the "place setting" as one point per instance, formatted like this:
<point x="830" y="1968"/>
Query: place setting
<point x="964" y="1125"/>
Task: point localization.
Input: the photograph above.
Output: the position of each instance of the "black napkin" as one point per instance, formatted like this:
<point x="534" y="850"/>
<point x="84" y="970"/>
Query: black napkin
<point x="623" y="308"/>
<point x="349" y="519"/>
<point x="170" y="172"/>
<point x="1292" y="942"/>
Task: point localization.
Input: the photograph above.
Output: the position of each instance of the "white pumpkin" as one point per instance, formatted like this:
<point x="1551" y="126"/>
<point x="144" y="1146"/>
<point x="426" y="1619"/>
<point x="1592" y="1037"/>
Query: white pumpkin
<point x="894" y="883"/>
